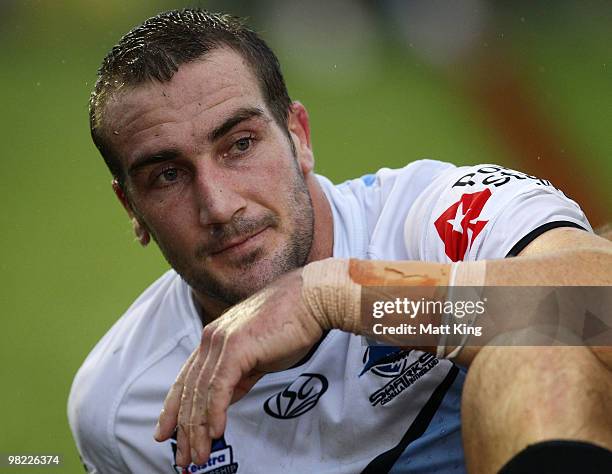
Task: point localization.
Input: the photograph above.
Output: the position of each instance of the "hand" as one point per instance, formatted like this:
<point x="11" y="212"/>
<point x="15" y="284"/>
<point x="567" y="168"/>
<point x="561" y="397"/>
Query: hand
<point x="270" y="331"/>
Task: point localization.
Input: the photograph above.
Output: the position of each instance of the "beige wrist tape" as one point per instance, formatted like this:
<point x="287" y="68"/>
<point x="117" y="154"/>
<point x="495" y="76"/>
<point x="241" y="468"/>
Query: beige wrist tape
<point x="470" y="274"/>
<point x="333" y="298"/>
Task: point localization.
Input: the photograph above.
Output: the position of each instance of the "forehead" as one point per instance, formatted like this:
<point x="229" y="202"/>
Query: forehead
<point x="201" y="91"/>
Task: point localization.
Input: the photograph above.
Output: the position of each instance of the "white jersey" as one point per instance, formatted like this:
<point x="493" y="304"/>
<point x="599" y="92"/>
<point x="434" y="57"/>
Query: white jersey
<point x="346" y="408"/>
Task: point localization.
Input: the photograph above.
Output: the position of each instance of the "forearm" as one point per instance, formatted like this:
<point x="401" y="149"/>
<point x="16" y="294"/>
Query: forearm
<point x="582" y="267"/>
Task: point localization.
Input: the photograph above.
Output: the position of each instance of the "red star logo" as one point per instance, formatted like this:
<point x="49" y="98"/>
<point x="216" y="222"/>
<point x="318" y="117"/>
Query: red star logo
<point x="459" y="226"/>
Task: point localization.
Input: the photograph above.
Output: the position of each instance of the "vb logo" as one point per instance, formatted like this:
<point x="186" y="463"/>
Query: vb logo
<point x="298" y="398"/>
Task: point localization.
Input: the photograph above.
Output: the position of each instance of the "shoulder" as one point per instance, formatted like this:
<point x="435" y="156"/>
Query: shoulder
<point x="150" y="328"/>
<point x="412" y="178"/>
<point x="483" y="211"/>
<point x="386" y="197"/>
<point x="155" y="316"/>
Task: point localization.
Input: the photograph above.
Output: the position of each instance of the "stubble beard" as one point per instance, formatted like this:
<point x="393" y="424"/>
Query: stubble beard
<point x="257" y="271"/>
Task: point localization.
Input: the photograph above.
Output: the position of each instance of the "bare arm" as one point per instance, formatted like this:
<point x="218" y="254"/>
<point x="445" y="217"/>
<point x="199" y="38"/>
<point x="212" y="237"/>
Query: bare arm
<point x="590" y="259"/>
<point x="560" y="257"/>
<point x="274" y="328"/>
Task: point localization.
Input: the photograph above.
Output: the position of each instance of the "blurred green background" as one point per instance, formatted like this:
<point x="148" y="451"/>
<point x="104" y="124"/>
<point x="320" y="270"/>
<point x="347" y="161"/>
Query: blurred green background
<point x="524" y="84"/>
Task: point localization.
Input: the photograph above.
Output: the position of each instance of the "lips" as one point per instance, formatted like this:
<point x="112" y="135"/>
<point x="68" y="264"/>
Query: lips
<point x="236" y="242"/>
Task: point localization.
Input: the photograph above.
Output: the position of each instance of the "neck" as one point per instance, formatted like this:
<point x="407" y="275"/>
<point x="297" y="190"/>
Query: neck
<point x="323" y="235"/>
<point x="322" y="247"/>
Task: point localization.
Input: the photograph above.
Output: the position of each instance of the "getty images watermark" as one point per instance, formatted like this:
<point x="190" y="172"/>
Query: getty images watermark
<point x="532" y="316"/>
<point x="408" y="308"/>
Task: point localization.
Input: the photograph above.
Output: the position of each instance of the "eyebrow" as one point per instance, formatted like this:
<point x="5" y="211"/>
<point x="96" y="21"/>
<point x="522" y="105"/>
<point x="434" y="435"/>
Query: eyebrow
<point x="147" y="160"/>
<point x="237" y="117"/>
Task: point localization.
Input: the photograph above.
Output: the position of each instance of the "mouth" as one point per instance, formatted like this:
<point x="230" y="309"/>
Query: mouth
<point x="239" y="244"/>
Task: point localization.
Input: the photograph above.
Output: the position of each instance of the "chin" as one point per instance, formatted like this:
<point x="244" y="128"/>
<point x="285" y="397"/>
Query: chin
<point x="255" y="276"/>
<point x="233" y="279"/>
<point x="238" y="281"/>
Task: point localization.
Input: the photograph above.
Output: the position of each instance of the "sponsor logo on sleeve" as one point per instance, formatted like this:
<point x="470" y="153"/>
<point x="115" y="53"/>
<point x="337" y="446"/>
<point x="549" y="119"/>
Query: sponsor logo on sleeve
<point x="221" y="460"/>
<point x="298" y="398"/>
<point x="459" y="225"/>
<point x="497" y="176"/>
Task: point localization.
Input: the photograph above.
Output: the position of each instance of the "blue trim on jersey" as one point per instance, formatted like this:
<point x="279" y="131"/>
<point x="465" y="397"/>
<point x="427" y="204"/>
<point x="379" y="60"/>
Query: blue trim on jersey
<point x="368" y="179"/>
<point x="439" y="449"/>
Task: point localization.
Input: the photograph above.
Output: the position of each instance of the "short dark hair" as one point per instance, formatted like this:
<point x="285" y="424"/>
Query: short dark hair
<point x="154" y="50"/>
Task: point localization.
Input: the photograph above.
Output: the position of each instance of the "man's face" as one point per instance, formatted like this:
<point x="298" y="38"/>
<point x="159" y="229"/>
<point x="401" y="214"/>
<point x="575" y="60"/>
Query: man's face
<point x="213" y="178"/>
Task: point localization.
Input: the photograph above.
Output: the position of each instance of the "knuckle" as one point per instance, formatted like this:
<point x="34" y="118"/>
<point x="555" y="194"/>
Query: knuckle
<point x="207" y="333"/>
<point x="183" y="429"/>
<point x="214" y="386"/>
<point x="219" y="387"/>
<point x="191" y="374"/>
<point x="185" y="399"/>
<point x="198" y="401"/>
<point x="218" y="337"/>
<point x="185" y="409"/>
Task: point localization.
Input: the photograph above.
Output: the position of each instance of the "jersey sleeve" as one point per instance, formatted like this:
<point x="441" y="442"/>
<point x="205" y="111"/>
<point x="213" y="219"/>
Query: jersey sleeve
<point x="90" y="435"/>
<point x="92" y="395"/>
<point x="485" y="212"/>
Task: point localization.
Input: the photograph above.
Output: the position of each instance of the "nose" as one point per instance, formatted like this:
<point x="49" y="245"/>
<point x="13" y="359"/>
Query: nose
<point x="218" y="195"/>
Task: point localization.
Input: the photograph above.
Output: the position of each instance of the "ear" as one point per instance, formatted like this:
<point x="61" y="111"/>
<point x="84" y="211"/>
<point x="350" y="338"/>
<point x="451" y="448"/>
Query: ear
<point x="299" y="128"/>
<point x="142" y="234"/>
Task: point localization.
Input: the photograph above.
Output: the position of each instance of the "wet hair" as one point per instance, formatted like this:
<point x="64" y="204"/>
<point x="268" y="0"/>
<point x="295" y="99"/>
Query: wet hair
<point x="154" y="51"/>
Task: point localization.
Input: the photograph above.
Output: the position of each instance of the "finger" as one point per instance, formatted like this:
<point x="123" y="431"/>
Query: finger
<point x="182" y="456"/>
<point x="183" y="442"/>
<point x="183" y="447"/>
<point x="199" y="439"/>
<point x="234" y="364"/>
<point x="166" y="423"/>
